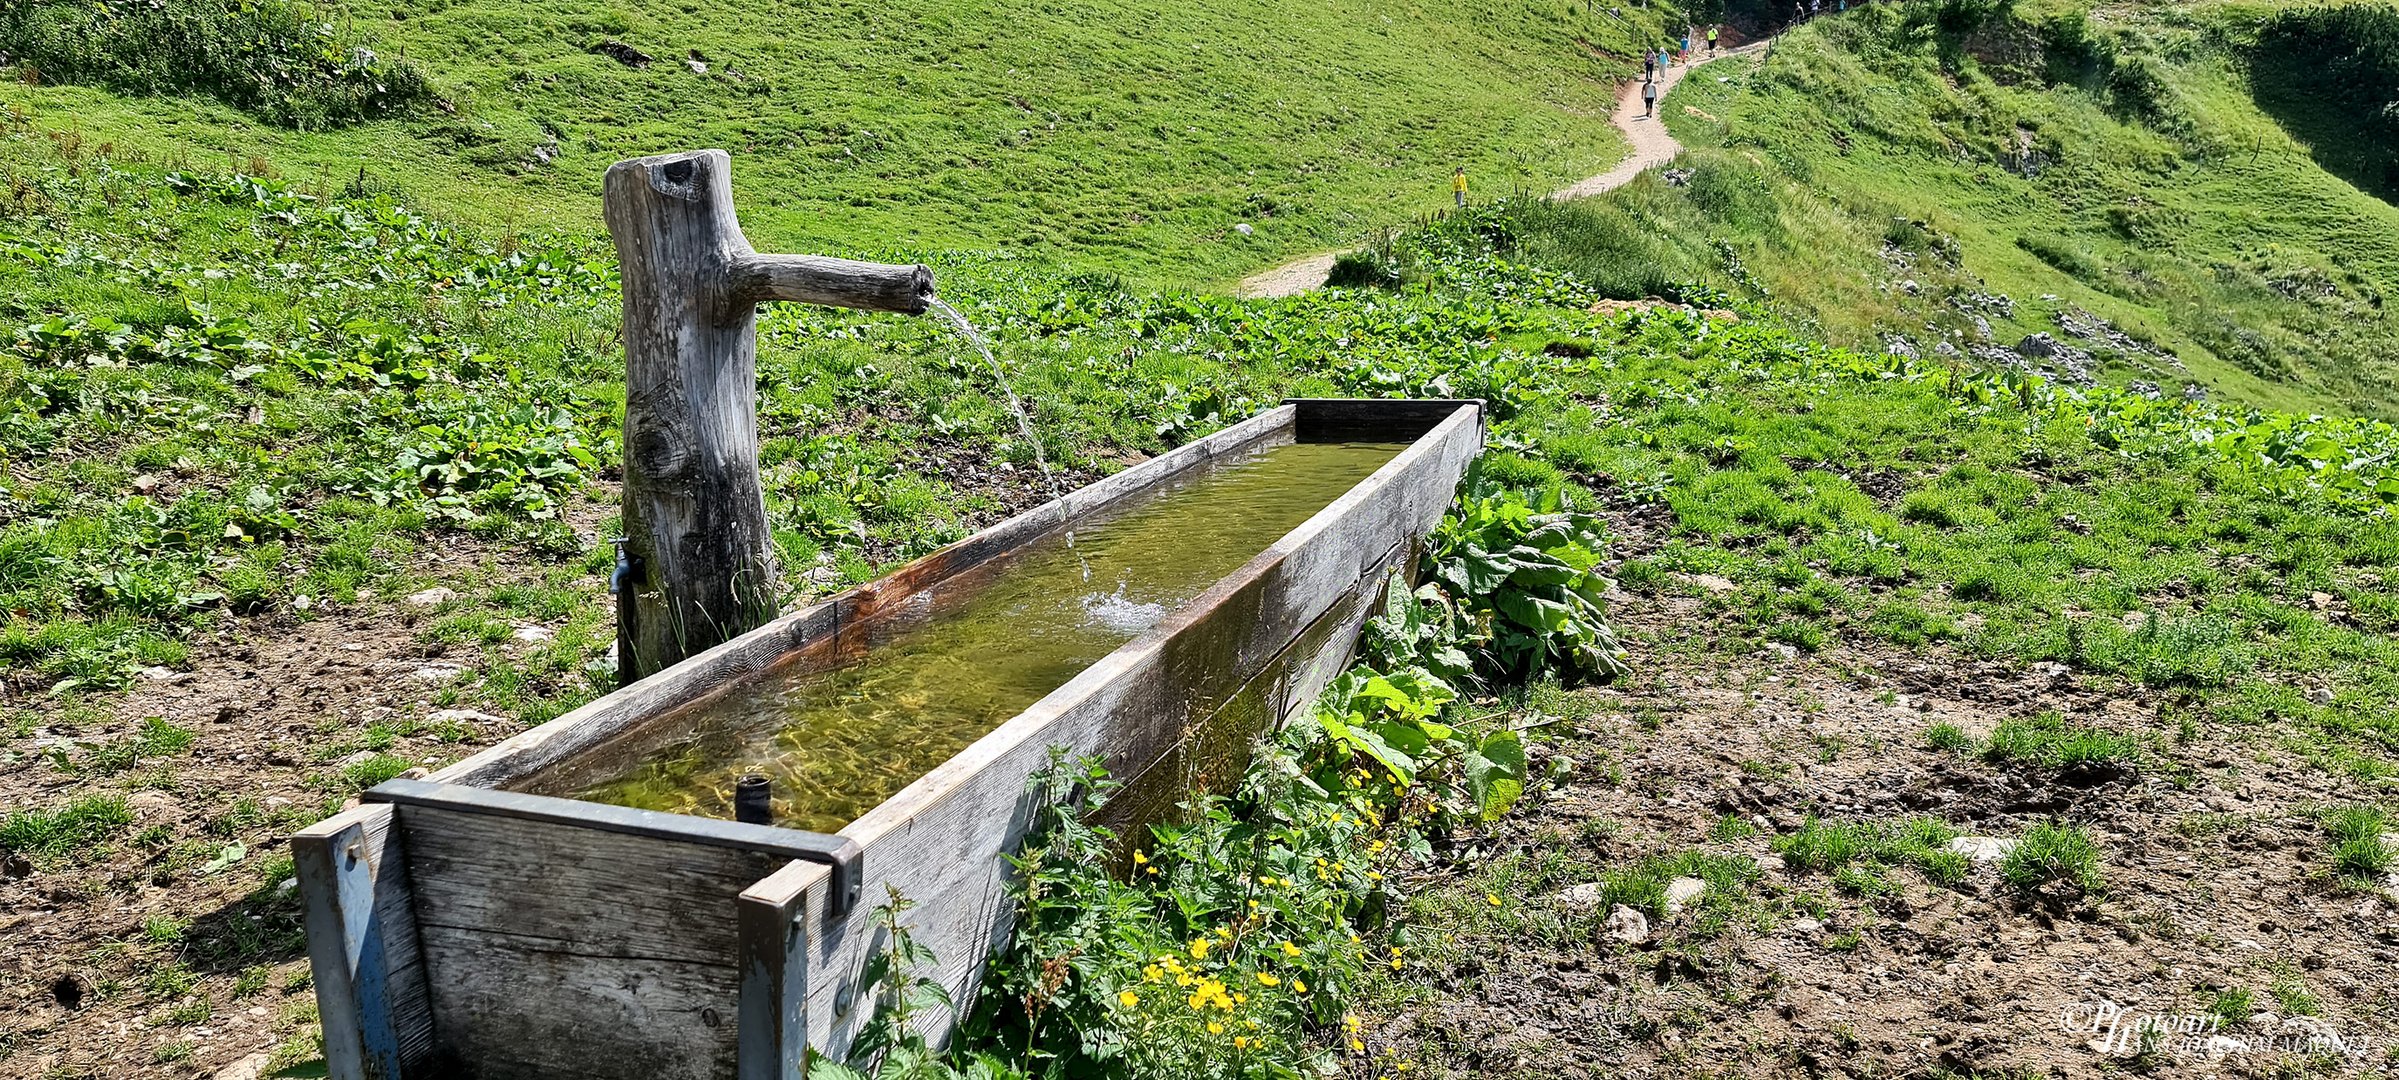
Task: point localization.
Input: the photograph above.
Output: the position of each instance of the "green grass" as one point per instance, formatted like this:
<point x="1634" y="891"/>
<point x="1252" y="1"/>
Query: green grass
<point x="1857" y="853"/>
<point x="2357" y="835"/>
<point x="1123" y="136"/>
<point x="74" y="828"/>
<point x="2053" y="853"/>
<point x="1878" y="177"/>
<point x="2049" y="741"/>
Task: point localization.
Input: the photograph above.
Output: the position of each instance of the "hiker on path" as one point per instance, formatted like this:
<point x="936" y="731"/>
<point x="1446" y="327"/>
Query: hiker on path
<point x="1649" y="65"/>
<point x="1686" y="44"/>
<point x="1712" y="36"/>
<point x="1457" y="186"/>
<point x="1649" y="98"/>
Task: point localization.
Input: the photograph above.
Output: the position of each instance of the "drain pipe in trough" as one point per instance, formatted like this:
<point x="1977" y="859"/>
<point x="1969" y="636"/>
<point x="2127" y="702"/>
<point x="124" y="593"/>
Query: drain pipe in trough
<point x="697" y="565"/>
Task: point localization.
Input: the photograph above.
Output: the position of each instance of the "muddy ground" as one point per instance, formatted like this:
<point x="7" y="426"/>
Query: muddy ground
<point x="2215" y="868"/>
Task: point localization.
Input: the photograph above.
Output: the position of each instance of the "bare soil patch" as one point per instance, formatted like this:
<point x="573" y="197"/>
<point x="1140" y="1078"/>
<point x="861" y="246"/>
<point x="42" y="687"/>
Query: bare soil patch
<point x="2218" y="904"/>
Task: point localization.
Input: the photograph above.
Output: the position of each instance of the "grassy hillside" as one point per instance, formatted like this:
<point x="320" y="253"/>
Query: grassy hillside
<point x="1125" y="135"/>
<point x="243" y="429"/>
<point x="1948" y="178"/>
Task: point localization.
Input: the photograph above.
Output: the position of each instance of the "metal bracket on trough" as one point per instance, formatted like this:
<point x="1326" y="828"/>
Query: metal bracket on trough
<point x="843" y="855"/>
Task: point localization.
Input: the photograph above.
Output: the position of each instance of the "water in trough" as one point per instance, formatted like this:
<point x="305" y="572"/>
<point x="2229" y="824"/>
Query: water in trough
<point x="945" y="670"/>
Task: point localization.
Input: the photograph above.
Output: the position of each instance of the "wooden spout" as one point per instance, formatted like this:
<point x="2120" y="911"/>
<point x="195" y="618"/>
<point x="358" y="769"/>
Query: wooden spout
<point x="695" y="513"/>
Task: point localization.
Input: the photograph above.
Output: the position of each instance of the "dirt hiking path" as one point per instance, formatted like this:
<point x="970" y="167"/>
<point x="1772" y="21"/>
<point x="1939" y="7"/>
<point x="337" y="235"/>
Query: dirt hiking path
<point x="1652" y="146"/>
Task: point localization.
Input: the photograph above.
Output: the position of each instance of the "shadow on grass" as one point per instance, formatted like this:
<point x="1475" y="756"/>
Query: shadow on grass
<point x="261" y="928"/>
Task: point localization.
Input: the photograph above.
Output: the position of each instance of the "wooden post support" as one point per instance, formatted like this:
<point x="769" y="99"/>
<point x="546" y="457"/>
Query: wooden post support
<point x="702" y="568"/>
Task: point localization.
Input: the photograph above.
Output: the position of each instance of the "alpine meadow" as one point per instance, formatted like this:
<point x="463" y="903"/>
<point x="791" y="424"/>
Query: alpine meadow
<point x="1892" y="571"/>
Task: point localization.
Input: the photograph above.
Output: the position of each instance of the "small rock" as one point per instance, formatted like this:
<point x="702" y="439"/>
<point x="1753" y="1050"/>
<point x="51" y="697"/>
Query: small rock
<point x="2320" y="601"/>
<point x="2321" y="695"/>
<point x="1244" y="229"/>
<point x="438" y="672"/>
<point x="286" y="886"/>
<point x="1683" y="892"/>
<point x="166" y="675"/>
<point x="463" y="716"/>
<point x="145" y="483"/>
<point x="1781" y="649"/>
<point x="249" y="1068"/>
<point x="1626" y="925"/>
<point x="1714" y="583"/>
<point x="433" y="597"/>
<point x="1805" y="926"/>
<point x="1582" y="897"/>
<point x="359" y="758"/>
<point x="303" y="602"/>
<point x="697" y="67"/>
<point x="1982" y="848"/>
<point x="2037" y="346"/>
<point x="533" y="634"/>
<point x="2134" y="620"/>
<point x="1770" y="864"/>
<point x="1911" y="287"/>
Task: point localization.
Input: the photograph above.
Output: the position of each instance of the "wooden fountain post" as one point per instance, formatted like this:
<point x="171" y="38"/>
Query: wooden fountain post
<point x="699" y="558"/>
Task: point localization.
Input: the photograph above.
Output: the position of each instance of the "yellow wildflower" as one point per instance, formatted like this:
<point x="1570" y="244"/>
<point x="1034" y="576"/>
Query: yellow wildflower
<point x="1298" y="986"/>
<point x="1357" y="1047"/>
<point x="1268" y="979"/>
<point x="1215" y="1028"/>
<point x="1128" y="999"/>
<point x="1199" y="948"/>
<point x="1290" y="949"/>
<point x="1140" y="859"/>
<point x="1493" y="897"/>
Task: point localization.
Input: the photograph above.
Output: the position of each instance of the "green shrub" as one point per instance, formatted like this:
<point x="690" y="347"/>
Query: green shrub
<point x="268" y="57"/>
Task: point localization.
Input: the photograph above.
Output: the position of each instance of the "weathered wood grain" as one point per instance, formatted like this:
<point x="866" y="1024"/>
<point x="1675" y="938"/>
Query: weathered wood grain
<point x="556" y="757"/>
<point x="695" y="515"/>
<point x="363" y="956"/>
<point x="774" y="972"/>
<point x="814" y="279"/>
<point x="563" y="951"/>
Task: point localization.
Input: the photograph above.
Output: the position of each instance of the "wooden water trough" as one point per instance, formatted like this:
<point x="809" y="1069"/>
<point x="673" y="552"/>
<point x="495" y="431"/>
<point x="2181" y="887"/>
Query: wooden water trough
<point x="468" y="926"/>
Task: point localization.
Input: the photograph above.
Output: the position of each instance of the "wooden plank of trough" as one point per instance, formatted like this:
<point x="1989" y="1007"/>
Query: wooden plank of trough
<point x="568" y="952"/>
<point x="649" y="711"/>
<point x="938" y="842"/>
<point x="1213" y="754"/>
<point x="773" y="958"/>
<point x="363" y="956"/>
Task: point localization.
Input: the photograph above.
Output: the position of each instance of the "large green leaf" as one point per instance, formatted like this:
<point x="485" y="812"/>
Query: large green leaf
<point x="1495" y="773"/>
<point x="1533" y="612"/>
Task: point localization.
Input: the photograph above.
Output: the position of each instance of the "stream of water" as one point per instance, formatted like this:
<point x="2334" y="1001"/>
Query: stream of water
<point x="985" y="645"/>
<point x="1016" y="405"/>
